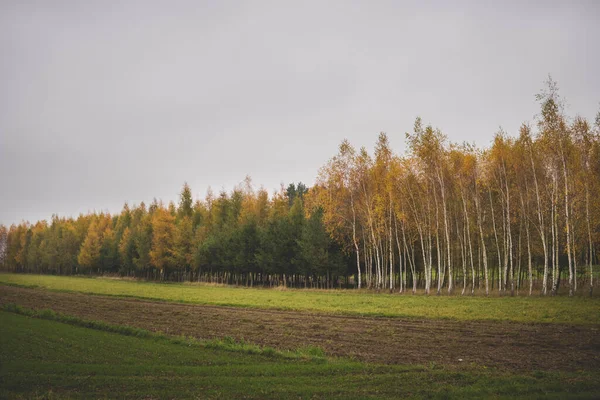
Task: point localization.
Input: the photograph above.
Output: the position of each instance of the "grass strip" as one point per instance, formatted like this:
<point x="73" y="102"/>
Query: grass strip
<point x="522" y="309"/>
<point x="228" y="343"/>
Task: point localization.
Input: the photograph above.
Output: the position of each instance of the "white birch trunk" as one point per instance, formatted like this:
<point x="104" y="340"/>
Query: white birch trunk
<point x="483" y="249"/>
<point x="567" y="223"/>
<point x="541" y="227"/>
<point x="468" y="229"/>
<point x="497" y="244"/>
<point x="446" y="229"/>
<point x="356" y="247"/>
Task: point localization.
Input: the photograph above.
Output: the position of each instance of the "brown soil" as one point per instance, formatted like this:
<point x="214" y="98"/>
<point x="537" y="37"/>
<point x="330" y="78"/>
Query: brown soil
<point x="514" y="346"/>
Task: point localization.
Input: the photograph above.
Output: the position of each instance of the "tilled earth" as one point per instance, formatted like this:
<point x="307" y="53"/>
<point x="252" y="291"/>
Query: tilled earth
<point x="503" y="345"/>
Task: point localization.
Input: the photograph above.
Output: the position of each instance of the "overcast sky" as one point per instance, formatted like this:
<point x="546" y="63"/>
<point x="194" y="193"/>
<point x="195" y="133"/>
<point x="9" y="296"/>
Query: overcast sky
<point x="103" y="102"/>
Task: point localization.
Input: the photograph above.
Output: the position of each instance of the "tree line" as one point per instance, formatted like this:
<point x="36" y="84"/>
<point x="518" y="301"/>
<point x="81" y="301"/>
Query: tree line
<point x="243" y="237"/>
<point x="521" y="215"/>
<point x="524" y="212"/>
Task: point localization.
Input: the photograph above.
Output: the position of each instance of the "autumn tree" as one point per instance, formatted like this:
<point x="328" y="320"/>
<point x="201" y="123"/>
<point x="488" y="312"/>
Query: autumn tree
<point x="162" y="252"/>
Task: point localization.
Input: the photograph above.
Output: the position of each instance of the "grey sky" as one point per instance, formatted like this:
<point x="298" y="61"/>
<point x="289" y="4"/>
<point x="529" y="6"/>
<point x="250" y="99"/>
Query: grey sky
<point x="103" y="102"/>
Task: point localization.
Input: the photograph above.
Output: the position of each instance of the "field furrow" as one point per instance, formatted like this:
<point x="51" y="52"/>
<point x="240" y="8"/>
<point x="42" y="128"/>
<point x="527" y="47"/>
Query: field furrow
<point x="503" y="345"/>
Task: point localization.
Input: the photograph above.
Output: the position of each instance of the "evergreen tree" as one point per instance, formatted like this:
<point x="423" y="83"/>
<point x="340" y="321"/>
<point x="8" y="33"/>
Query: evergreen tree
<point x="183" y="250"/>
<point x="89" y="254"/>
<point x="185" y="202"/>
<point x="162" y="253"/>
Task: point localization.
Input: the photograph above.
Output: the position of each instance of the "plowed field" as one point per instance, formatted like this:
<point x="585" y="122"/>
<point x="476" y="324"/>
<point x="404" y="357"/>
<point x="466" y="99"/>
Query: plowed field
<point x="503" y="345"/>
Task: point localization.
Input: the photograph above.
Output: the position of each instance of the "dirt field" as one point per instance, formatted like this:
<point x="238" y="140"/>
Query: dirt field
<point x="511" y="346"/>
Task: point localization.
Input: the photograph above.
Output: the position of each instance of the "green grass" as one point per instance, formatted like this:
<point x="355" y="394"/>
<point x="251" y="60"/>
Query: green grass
<point x="41" y="358"/>
<point x="227" y="343"/>
<point x="560" y="309"/>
